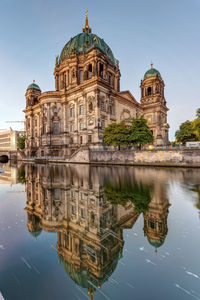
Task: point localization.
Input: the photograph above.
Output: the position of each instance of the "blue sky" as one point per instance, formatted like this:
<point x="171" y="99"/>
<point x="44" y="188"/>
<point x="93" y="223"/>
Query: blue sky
<point x="32" y="33"/>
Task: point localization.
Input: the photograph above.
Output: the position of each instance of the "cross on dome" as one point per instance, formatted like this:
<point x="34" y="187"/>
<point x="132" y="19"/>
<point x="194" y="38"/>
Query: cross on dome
<point x="87" y="28"/>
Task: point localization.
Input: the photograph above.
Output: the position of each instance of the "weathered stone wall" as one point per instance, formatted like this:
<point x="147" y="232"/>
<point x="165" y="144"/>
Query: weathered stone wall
<point x="174" y="158"/>
<point x="81" y="156"/>
<point x="154" y="157"/>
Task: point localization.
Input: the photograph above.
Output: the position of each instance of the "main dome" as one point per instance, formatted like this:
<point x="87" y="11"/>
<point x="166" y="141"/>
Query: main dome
<point x="84" y="42"/>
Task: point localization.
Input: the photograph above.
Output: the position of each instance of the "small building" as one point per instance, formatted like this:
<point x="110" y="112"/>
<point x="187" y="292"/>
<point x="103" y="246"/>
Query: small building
<point x="8" y="139"/>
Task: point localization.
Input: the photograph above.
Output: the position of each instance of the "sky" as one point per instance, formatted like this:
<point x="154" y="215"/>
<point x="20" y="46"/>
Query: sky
<point x="33" y="33"/>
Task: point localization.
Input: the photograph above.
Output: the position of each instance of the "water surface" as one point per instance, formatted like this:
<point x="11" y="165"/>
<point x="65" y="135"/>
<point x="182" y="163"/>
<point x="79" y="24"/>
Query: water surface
<point x="82" y="232"/>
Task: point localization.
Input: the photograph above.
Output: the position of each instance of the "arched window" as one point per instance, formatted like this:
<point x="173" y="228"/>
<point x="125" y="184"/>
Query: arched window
<point x="90" y="107"/>
<point x="44" y="128"/>
<point x="89" y="138"/>
<point x="149" y="91"/>
<point x="35" y="100"/>
<point x="109" y="79"/>
<point x="101" y="70"/>
<point x="111" y="109"/>
<point x="81" y="76"/>
<point x="72" y="112"/>
<point x="81" y="109"/>
<point x="86" y="75"/>
<point x="56" y="129"/>
<point x="65" y="81"/>
<point x="89" y="71"/>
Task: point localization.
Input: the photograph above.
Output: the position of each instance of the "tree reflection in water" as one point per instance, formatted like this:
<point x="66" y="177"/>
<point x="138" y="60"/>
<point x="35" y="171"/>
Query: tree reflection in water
<point x="137" y="193"/>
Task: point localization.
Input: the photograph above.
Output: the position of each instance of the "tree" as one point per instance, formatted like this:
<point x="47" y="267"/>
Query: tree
<point x="116" y="134"/>
<point x="198" y="113"/>
<point x="140" y="134"/>
<point x="21" y="142"/>
<point x="196" y="127"/>
<point x="186" y="132"/>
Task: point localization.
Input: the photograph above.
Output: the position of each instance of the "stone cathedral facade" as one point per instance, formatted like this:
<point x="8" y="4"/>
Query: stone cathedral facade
<point x="87" y="98"/>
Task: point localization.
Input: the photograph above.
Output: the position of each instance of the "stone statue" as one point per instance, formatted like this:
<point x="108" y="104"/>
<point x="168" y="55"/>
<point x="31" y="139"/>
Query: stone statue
<point x="57" y="60"/>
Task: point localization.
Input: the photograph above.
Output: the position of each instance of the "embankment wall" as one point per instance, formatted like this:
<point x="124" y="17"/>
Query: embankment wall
<point x="185" y="157"/>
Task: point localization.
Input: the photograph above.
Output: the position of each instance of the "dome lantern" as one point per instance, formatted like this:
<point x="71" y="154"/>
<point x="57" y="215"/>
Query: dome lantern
<point x="87" y="28"/>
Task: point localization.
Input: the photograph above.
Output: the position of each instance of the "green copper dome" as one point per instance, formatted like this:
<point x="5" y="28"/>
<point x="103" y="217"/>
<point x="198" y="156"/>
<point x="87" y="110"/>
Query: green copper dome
<point x="151" y="73"/>
<point x="156" y="243"/>
<point x="83" y="277"/>
<point x="85" y="42"/>
<point x="34" y="86"/>
<point x="36" y="233"/>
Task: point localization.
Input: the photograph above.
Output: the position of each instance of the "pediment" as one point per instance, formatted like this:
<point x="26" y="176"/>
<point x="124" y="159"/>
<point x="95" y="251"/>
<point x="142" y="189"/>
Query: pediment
<point x="127" y="95"/>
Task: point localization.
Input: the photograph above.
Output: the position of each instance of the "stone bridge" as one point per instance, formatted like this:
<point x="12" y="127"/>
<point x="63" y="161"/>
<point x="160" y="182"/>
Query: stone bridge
<point x="11" y="155"/>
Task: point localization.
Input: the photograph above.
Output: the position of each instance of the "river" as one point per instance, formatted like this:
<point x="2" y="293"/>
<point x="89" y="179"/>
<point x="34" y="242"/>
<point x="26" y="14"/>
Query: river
<point x="86" y="232"/>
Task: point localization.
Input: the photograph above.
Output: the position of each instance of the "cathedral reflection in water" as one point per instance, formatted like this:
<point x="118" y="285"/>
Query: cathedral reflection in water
<point x="88" y="207"/>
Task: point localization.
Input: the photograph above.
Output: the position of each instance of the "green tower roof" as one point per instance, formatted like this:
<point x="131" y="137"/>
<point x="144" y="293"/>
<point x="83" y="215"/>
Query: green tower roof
<point x="34" y="86"/>
<point x="36" y="233"/>
<point x="151" y="73"/>
<point x="156" y="243"/>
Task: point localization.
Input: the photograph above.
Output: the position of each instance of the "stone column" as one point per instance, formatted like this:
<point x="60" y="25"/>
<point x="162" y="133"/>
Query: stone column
<point x="85" y="115"/>
<point x="97" y="108"/>
<point x="159" y="140"/>
<point x="108" y="107"/>
<point x="31" y="129"/>
<point x="48" y="118"/>
<point x="76" y="120"/>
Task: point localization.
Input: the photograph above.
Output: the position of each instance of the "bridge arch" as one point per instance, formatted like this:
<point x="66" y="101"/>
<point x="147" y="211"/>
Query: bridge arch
<point x="4" y="158"/>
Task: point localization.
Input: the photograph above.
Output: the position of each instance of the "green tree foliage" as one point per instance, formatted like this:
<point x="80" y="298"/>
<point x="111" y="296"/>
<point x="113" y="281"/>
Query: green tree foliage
<point x="198" y="113"/>
<point x="21" y="142"/>
<point x="196" y="127"/>
<point x="120" y="194"/>
<point x="186" y="132"/>
<point x="139" y="133"/>
<point x="21" y="176"/>
<point x="116" y="134"/>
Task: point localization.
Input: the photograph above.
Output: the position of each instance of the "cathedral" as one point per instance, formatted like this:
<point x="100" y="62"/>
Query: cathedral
<point x="87" y="98"/>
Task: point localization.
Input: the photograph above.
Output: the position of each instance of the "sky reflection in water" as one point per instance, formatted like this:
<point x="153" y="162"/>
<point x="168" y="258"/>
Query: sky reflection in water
<point x="81" y="232"/>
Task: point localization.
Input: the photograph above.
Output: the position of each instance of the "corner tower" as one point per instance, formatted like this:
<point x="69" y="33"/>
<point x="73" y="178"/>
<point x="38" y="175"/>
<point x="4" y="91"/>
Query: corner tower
<point x="154" y="105"/>
<point x="32" y="93"/>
